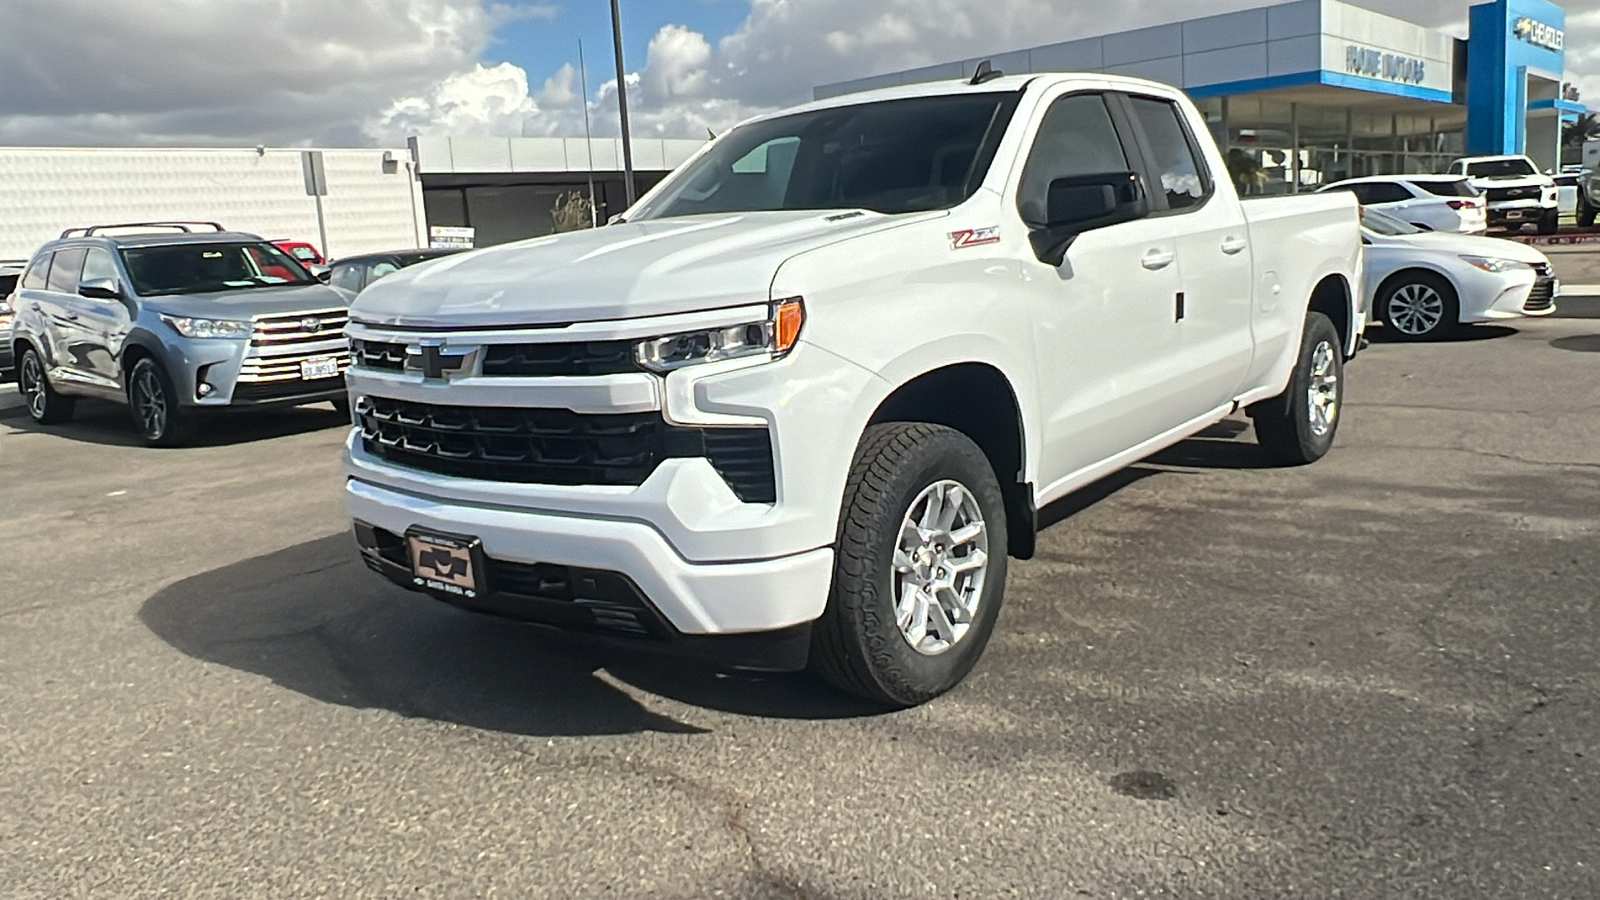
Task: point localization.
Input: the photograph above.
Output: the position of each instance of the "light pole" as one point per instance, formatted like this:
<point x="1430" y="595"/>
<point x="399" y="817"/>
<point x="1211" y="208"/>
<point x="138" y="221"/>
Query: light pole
<point x="622" y="104"/>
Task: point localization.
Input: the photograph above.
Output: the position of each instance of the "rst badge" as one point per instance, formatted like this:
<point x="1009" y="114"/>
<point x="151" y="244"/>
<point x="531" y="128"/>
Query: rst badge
<point x="973" y="237"/>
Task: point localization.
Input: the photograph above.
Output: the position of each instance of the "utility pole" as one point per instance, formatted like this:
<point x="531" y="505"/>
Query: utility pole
<point x="622" y="103"/>
<point x="588" y="139"/>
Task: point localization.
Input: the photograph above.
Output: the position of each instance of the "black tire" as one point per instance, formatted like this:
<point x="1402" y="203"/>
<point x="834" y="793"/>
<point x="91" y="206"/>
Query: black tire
<point x="1288" y="427"/>
<point x="1550" y="221"/>
<point x="1586" y="212"/>
<point x="44" y="404"/>
<point x="161" y="419"/>
<point x="1407" y="313"/>
<point x="858" y="645"/>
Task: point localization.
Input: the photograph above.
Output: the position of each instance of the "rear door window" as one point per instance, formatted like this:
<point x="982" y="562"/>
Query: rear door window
<point x="34" y="280"/>
<point x="1386" y="192"/>
<point x="1172" y="153"/>
<point x="66" y="270"/>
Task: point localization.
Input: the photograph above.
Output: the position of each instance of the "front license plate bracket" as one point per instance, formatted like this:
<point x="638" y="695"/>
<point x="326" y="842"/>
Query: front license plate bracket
<point x="451" y="564"/>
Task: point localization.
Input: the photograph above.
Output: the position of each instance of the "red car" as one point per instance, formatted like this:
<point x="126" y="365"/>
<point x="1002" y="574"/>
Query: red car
<point x="307" y="254"/>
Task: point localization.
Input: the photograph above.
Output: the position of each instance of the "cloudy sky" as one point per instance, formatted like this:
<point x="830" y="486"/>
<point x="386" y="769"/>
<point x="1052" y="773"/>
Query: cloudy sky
<point x="371" y="72"/>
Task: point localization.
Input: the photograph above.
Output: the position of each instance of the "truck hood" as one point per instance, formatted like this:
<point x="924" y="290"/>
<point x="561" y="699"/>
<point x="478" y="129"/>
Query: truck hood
<point x="265" y="301"/>
<point x="1512" y="181"/>
<point x="621" y="271"/>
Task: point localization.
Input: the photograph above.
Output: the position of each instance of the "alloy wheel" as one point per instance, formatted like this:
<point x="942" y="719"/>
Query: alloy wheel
<point x="940" y="564"/>
<point x="150" y="403"/>
<point x="1415" y="309"/>
<point x="33" y="385"/>
<point x="1322" y="396"/>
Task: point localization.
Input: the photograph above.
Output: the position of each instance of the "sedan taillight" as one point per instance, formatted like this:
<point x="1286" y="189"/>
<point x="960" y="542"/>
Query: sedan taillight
<point x="1462" y="204"/>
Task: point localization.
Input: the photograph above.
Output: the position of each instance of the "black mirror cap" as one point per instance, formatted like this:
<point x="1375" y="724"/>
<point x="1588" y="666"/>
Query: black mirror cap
<point x="1084" y="203"/>
<point x="100" y="289"/>
<point x="324" y="276"/>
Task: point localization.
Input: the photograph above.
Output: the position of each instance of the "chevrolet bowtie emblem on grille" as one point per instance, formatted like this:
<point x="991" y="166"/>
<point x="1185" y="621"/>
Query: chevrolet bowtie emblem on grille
<point x="435" y="359"/>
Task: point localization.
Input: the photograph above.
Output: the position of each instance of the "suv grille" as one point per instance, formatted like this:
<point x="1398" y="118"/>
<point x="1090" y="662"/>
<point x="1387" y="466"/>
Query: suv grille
<point x="282" y="342"/>
<point x="558" y="446"/>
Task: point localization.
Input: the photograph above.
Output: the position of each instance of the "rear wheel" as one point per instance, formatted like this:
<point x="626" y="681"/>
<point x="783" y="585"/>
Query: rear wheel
<point x="1298" y="426"/>
<point x="920" y="568"/>
<point x="1550" y="221"/>
<point x="162" y="422"/>
<point x="45" y="405"/>
<point x="1418" y="306"/>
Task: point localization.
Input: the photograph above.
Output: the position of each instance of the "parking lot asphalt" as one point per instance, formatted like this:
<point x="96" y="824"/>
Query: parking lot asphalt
<point x="1372" y="677"/>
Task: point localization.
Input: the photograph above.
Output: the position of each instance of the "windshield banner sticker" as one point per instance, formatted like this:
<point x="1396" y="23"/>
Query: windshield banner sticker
<point x="973" y="237"/>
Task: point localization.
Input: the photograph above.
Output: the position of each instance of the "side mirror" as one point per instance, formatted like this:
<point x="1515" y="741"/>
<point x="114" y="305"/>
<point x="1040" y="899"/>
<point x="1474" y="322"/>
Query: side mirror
<point x="324" y="276"/>
<point x="100" y="289"/>
<point x="1085" y="203"/>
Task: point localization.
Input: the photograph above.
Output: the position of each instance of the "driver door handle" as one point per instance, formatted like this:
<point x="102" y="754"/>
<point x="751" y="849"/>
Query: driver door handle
<point x="1156" y="260"/>
<point x="1233" y="245"/>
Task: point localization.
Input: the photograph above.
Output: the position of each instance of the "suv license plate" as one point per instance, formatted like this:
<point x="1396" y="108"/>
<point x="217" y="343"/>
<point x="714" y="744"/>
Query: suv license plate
<point x="319" y="367"/>
<point x="449" y="564"/>
<point x="1514" y="214"/>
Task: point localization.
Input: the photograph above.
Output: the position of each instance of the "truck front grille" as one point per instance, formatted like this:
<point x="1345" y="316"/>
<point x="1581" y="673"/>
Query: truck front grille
<point x="378" y="355"/>
<point x="558" y="446"/>
<point x="282" y="342"/>
<point x="555" y="359"/>
<point x="1497" y="195"/>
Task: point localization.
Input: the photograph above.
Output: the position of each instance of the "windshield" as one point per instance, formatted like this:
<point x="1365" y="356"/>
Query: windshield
<point x="1501" y="168"/>
<point x="894" y="156"/>
<point x="210" y="268"/>
<point x="1378" y="223"/>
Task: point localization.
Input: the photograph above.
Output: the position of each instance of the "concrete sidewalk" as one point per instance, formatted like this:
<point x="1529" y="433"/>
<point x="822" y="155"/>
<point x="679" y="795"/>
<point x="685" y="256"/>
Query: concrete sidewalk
<point x="9" y="398"/>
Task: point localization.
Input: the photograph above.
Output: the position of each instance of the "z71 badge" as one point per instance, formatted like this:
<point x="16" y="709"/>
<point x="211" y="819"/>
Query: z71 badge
<point x="972" y="237"/>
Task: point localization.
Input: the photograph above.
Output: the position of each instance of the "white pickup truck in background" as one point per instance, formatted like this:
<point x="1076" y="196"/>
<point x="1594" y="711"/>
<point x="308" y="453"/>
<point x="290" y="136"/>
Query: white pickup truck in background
<point x="803" y="403"/>
<point x="1517" y="192"/>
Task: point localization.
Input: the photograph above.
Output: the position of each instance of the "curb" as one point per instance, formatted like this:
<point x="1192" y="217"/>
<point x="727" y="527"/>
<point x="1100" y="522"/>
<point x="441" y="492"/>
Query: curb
<point x="1579" y="290"/>
<point x="10" y="399"/>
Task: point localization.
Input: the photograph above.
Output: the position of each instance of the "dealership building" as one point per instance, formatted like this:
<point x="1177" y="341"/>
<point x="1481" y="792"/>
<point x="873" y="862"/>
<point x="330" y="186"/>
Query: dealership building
<point x="1309" y="92"/>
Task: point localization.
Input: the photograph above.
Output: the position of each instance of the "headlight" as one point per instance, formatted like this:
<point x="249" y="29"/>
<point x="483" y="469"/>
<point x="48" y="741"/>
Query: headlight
<point x="210" y="328"/>
<point x="1493" y="263"/>
<point x="771" y="338"/>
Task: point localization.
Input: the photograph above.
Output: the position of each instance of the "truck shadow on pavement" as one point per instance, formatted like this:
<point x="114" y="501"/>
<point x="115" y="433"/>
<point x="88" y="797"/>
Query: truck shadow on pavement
<point x="110" y="424"/>
<point x="312" y="619"/>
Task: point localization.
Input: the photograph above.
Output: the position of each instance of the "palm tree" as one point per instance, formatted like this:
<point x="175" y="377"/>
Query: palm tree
<point x="1585" y="128"/>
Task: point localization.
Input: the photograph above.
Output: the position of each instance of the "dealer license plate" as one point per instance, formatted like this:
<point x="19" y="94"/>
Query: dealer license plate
<point x="319" y="367"/>
<point x="1514" y="214"/>
<point x="449" y="564"/>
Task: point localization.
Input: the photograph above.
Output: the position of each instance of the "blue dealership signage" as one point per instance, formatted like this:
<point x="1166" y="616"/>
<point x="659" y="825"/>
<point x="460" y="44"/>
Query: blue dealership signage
<point x="1510" y="40"/>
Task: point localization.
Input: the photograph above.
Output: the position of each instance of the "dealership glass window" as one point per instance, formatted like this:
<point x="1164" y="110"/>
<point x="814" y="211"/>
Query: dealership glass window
<point x="65" y="269"/>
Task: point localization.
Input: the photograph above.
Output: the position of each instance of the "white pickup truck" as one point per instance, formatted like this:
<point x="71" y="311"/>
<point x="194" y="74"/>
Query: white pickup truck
<point x="804" y="400"/>
<point x="1517" y="192"/>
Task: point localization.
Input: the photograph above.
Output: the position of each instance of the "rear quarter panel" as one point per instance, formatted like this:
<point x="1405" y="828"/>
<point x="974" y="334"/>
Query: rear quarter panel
<point x="1299" y="241"/>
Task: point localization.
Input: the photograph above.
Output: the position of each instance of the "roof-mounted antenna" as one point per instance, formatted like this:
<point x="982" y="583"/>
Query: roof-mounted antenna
<point x="986" y="72"/>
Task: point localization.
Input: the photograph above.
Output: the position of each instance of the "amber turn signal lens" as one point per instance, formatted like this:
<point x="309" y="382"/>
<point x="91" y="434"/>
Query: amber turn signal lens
<point x="787" y="318"/>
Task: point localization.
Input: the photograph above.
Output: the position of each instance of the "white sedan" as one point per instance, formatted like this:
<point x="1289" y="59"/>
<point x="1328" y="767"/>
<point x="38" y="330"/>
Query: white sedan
<point x="1422" y="284"/>
<point x="1430" y="202"/>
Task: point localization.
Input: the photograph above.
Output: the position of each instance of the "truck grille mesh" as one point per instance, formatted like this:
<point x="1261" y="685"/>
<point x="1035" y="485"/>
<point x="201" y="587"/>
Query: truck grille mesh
<point x="558" y="446"/>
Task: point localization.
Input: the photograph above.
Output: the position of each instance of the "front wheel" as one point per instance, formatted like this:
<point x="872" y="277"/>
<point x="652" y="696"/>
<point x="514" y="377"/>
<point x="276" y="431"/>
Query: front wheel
<point x="1586" y="211"/>
<point x="1418" y="306"/>
<point x="154" y="401"/>
<point x="1297" y="426"/>
<point x="1550" y="221"/>
<point x="45" y="405"/>
<point x="920" y="566"/>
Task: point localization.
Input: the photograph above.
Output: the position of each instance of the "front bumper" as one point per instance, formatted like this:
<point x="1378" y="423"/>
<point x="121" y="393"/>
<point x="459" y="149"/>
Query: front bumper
<point x="1494" y="297"/>
<point x="1519" y="212"/>
<point x="689" y="598"/>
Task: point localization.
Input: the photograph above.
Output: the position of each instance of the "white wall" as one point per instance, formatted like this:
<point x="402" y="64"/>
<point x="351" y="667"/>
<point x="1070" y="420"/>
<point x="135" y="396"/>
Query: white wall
<point x="46" y="190"/>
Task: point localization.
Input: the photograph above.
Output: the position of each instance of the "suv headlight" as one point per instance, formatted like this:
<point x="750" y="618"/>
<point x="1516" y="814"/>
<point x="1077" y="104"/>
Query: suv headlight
<point x="210" y="328"/>
<point x="772" y="338"/>
<point x="1493" y="263"/>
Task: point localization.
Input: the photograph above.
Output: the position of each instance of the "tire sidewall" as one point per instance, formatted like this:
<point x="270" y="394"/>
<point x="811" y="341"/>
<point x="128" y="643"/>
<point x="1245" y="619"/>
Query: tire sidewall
<point x="945" y="456"/>
<point x="31" y="355"/>
<point x="1319" y="328"/>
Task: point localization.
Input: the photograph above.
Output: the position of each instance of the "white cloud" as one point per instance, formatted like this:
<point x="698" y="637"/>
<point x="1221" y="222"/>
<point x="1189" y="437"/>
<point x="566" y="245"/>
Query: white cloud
<point x="479" y="101"/>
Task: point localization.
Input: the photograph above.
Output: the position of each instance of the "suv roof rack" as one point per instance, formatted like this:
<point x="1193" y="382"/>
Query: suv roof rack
<point x="184" y="227"/>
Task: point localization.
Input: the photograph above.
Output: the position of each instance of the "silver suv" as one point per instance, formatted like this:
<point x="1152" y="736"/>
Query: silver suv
<point x="173" y="319"/>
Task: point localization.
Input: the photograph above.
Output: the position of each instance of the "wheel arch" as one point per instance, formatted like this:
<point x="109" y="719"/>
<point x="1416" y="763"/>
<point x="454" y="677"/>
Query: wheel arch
<point x="1334" y="297"/>
<point x="139" y="345"/>
<point x="1412" y="271"/>
<point x="977" y="400"/>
